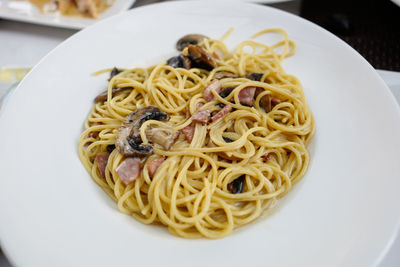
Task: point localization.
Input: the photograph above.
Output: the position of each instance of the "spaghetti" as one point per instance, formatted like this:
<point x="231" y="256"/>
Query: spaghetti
<point x="239" y="130"/>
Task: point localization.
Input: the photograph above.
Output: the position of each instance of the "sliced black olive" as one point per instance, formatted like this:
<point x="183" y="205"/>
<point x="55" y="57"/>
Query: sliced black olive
<point x="254" y="76"/>
<point x="237" y="185"/>
<point x="110" y="148"/>
<point x="180" y="61"/>
<point x="193" y="39"/>
<point x="114" y="72"/>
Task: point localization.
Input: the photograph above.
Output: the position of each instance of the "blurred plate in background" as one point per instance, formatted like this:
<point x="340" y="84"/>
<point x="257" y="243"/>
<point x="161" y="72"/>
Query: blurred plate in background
<point x="26" y="12"/>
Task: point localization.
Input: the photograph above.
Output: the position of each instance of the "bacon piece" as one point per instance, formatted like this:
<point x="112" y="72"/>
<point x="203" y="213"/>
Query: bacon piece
<point x="201" y="116"/>
<point x="246" y="95"/>
<point x="225" y="110"/>
<point x="214" y="85"/>
<point x="199" y="105"/>
<point x="275" y="101"/>
<point x="93" y="134"/>
<point x="215" y="55"/>
<point x="101" y="160"/>
<point x="265" y="101"/>
<point x="129" y="170"/>
<point x="188" y="131"/>
<point x="269" y="102"/>
<point x="153" y="165"/>
<point x="266" y="157"/>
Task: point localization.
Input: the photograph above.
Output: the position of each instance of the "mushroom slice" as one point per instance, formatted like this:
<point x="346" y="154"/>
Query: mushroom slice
<point x="254" y="76"/>
<point x="193" y="39"/>
<point x="180" y="61"/>
<point x="162" y="136"/>
<point x="200" y="58"/>
<point x="128" y="141"/>
<point x="237" y="185"/>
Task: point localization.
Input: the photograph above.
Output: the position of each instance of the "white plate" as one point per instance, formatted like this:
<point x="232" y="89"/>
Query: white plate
<point x="345" y="212"/>
<point x="21" y="10"/>
<point x="397" y="2"/>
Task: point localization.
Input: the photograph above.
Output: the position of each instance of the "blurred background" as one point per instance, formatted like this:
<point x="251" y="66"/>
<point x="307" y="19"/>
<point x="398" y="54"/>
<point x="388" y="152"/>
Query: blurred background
<point x="372" y="27"/>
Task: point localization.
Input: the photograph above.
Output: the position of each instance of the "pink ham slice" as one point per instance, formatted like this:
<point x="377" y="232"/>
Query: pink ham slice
<point x="266" y="157"/>
<point x="188" y="132"/>
<point x="201" y="116"/>
<point x="225" y="110"/>
<point x="153" y="165"/>
<point x="199" y="105"/>
<point x="214" y="85"/>
<point x="246" y="96"/>
<point x="129" y="170"/>
<point x="101" y="160"/>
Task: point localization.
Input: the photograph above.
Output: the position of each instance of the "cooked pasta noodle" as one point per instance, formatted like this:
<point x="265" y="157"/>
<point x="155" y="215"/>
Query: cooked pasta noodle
<point x="235" y="167"/>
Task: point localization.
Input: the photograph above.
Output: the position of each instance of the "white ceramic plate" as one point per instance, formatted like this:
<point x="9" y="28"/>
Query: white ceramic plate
<point x="397" y="2"/>
<point x="345" y="212"/>
<point x="21" y="10"/>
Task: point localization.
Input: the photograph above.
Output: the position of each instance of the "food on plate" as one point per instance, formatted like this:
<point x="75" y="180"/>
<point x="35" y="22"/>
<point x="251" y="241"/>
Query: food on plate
<point x="86" y="8"/>
<point x="204" y="142"/>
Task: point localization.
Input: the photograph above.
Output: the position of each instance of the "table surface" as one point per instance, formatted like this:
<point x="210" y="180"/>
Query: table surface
<point x="24" y="44"/>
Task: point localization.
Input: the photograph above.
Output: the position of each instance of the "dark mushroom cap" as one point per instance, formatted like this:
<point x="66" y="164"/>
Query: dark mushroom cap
<point x="180" y="61"/>
<point x="128" y="141"/>
<point x="237" y="185"/>
<point x="193" y="39"/>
